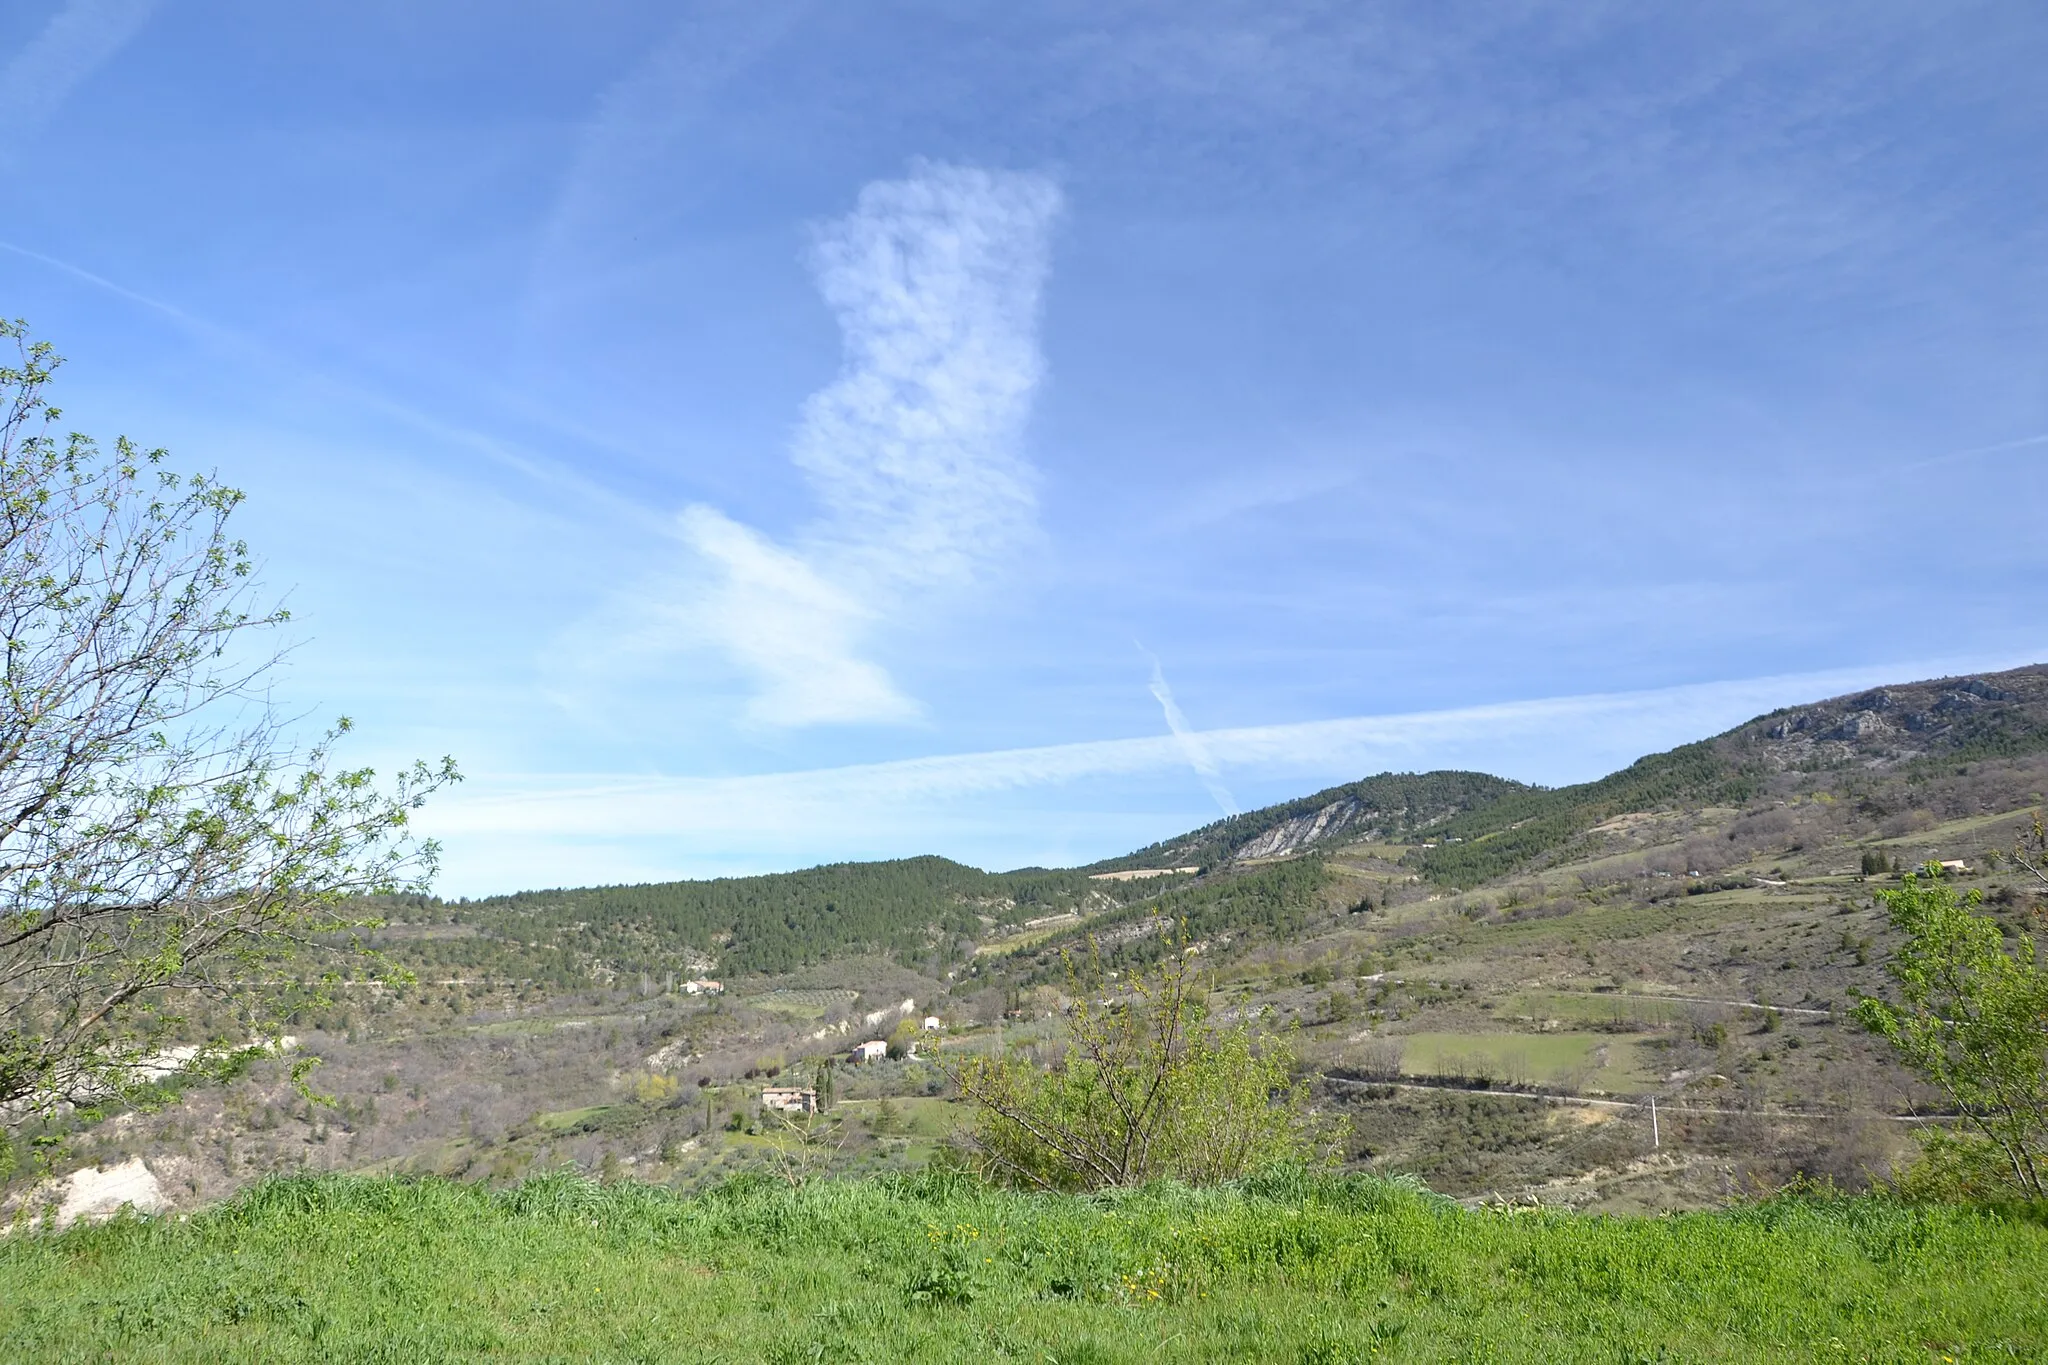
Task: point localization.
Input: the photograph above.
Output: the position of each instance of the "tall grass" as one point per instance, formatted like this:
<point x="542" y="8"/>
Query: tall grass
<point x="935" y="1267"/>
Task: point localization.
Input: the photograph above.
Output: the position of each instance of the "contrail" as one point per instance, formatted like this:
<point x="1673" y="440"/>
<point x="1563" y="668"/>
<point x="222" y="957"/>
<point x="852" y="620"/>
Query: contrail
<point x="1189" y="739"/>
<point x="2000" y="448"/>
<point x="250" y="351"/>
<point x="76" y="41"/>
<point x="171" y="311"/>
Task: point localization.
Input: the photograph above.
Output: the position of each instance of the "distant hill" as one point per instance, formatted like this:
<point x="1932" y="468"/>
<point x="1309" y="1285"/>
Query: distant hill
<point x="1460" y="829"/>
<point x="1692" y="927"/>
<point x="1991" y="715"/>
<point x="2002" y="715"/>
<point x="908" y="908"/>
<point x="1484" y="826"/>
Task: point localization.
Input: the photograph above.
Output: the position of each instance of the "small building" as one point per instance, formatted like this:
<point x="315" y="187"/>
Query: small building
<point x="932" y="1023"/>
<point x="703" y="987"/>
<point x="790" y="1099"/>
<point x="872" y="1051"/>
<point x="1955" y="867"/>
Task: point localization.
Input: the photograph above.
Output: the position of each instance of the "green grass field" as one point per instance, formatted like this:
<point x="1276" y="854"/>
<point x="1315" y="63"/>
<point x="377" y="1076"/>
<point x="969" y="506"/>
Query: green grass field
<point x="915" y="1116"/>
<point x="1586" y="1007"/>
<point x="936" y="1268"/>
<point x="1594" y="1061"/>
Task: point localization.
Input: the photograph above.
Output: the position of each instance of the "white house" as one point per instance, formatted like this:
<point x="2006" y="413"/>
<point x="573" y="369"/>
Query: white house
<point x="872" y="1051"/>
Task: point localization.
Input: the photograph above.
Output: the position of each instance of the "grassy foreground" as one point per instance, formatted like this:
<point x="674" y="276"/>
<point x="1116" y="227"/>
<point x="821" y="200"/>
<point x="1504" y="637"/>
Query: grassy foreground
<point x="1285" y="1267"/>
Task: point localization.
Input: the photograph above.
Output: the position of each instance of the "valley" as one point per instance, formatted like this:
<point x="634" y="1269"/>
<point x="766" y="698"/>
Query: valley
<point x="1488" y="985"/>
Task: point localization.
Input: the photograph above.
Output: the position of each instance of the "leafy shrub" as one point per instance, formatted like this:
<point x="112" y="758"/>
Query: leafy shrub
<point x="949" y="1278"/>
<point x="656" y="1090"/>
<point x="1970" y="1019"/>
<point x="1146" y="1090"/>
<point x="1956" y="1168"/>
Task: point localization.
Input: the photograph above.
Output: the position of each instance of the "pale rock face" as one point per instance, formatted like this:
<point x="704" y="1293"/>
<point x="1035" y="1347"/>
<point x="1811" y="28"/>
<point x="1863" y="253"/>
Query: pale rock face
<point x="671" y="1055"/>
<point x="96" y="1193"/>
<point x="1302" y="830"/>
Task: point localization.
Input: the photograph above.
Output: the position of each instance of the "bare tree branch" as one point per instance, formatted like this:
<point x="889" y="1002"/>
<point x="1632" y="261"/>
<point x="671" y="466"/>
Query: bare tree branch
<point x="159" y="839"/>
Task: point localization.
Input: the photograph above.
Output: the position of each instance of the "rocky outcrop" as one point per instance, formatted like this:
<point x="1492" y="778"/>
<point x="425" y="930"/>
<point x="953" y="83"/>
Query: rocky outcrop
<point x="91" y="1194"/>
<point x="1999" y="712"/>
<point x="1303" y="831"/>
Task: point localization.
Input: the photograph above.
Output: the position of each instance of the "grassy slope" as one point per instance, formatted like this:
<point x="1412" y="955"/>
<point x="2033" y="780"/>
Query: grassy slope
<point x="939" y="1270"/>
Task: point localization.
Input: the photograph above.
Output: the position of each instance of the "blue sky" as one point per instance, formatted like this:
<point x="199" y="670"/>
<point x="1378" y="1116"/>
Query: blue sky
<point x="754" y="434"/>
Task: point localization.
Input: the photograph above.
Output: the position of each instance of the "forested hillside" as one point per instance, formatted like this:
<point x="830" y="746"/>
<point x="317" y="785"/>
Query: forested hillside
<point x="1266" y="903"/>
<point x="1483" y="844"/>
<point x="907" y="908"/>
<point x="1462" y="829"/>
<point x="1391" y="806"/>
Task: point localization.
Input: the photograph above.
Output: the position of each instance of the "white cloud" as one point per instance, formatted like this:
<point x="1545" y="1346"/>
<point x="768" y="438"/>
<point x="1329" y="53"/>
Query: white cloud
<point x="789" y="626"/>
<point x="72" y="45"/>
<point x="914" y="448"/>
<point x="913" y="452"/>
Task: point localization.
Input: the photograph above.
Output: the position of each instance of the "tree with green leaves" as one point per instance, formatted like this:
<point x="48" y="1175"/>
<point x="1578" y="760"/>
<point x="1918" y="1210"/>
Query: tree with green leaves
<point x="175" y="877"/>
<point x="1144" y="1088"/>
<point x="825" y="1082"/>
<point x="1972" y="1019"/>
<point x="2030" y="850"/>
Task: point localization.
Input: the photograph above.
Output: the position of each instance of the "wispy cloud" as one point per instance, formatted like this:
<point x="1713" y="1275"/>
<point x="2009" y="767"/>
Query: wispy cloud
<point x="72" y="45"/>
<point x="935" y="280"/>
<point x="197" y="326"/>
<point x="276" y="364"/>
<point x="1190" y="741"/>
<point x="913" y="452"/>
<point x="621" y="174"/>
<point x="788" y="624"/>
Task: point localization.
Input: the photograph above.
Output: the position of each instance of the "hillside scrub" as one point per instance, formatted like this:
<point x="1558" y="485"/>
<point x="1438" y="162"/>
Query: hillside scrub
<point x="1281" y="1267"/>
<point x="1270" y="903"/>
<point x="1926" y="736"/>
<point x="1503" y="835"/>
<point x="1143" y="1088"/>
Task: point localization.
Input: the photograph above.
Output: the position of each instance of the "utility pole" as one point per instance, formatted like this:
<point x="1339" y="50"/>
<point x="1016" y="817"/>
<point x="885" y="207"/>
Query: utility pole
<point x="1656" y="1138"/>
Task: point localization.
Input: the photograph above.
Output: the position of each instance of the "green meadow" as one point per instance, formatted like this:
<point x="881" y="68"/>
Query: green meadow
<point x="936" y="1267"/>
<point x="1595" y="1060"/>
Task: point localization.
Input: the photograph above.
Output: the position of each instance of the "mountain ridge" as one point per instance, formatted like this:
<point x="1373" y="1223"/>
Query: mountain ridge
<point x="1701" y="947"/>
<point x="1456" y="829"/>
